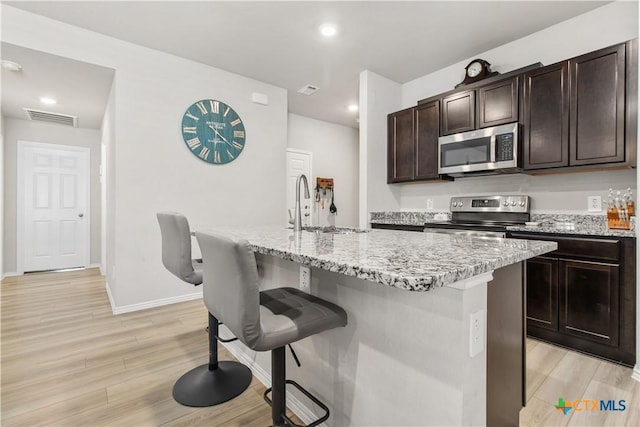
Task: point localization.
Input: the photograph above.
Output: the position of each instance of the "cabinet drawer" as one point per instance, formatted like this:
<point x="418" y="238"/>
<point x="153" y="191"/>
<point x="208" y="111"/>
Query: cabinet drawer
<point x="596" y="249"/>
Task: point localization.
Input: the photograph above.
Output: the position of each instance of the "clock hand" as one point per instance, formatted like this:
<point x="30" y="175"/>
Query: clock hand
<point x="218" y="133"/>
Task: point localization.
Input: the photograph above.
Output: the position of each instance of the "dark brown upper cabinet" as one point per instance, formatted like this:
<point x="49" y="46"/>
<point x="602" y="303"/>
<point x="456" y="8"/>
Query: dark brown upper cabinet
<point x="458" y="112"/>
<point x="427" y="118"/>
<point x="490" y="105"/>
<point x="498" y="103"/>
<point x="546" y="117"/>
<point x="582" y="112"/>
<point x="412" y="152"/>
<point x="597" y="94"/>
<point x="400" y="148"/>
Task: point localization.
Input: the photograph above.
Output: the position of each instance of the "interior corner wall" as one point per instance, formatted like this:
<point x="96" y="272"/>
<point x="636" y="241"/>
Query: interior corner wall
<point x="613" y="23"/>
<point x="335" y="155"/>
<point x="26" y="130"/>
<point x="379" y="96"/>
<point x="2" y="201"/>
<point x="107" y="183"/>
<point x="154" y="169"/>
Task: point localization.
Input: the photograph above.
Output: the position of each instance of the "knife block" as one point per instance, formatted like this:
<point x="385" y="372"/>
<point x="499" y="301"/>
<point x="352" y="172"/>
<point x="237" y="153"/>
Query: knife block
<point x="614" y="220"/>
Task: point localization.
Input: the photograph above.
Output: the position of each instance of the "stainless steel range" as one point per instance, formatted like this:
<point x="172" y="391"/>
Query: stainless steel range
<point x="483" y="215"/>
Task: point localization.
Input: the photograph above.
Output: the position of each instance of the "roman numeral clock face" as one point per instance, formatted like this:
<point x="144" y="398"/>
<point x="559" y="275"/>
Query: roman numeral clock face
<point x="213" y="131"/>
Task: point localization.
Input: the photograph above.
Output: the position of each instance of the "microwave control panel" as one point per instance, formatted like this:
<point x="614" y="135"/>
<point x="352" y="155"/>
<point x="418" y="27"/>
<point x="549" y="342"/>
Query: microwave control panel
<point x="504" y="147"/>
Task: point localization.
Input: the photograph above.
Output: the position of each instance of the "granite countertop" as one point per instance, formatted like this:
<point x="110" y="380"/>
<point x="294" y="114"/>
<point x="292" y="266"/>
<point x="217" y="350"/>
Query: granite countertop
<point x="411" y="261"/>
<point x="586" y="225"/>
<point x="577" y="229"/>
<point x="550" y="223"/>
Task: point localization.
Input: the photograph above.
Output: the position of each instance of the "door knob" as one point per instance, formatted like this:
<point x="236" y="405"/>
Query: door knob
<point x="80" y="215"/>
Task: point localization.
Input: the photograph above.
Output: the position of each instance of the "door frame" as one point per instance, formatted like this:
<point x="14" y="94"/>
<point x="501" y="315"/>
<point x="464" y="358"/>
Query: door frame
<point x="22" y="145"/>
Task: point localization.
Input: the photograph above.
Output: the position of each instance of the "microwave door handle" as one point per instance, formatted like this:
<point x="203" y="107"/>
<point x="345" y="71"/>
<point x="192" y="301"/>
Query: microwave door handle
<point x="493" y="149"/>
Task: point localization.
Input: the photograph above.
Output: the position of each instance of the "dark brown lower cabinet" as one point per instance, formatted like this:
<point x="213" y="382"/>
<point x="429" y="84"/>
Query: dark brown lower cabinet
<point x="589" y="305"/>
<point x="582" y="296"/>
<point x="542" y="298"/>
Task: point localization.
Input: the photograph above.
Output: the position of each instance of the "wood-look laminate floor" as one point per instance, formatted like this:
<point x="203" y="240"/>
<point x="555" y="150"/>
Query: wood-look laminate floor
<point x="66" y="360"/>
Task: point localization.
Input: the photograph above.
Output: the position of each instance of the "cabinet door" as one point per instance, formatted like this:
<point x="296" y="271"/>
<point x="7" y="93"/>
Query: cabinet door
<point x="597" y="107"/>
<point x="458" y="112"/>
<point x="498" y="103"/>
<point x="589" y="302"/>
<point x="542" y="293"/>
<point x="427" y="130"/>
<point x="400" y="149"/>
<point x="546" y="117"/>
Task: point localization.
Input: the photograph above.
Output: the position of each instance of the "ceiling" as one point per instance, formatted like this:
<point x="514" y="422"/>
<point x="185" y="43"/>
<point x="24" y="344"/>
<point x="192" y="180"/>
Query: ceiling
<point x="279" y="43"/>
<point x="81" y="89"/>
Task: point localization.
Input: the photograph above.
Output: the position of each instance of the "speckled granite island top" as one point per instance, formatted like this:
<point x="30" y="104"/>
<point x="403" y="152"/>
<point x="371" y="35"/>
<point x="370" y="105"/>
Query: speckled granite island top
<point x="411" y="261"/>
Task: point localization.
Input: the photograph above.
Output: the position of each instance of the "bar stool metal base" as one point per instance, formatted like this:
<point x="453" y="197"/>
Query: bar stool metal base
<point x="215" y="382"/>
<point x="278" y="392"/>
<point x="202" y="386"/>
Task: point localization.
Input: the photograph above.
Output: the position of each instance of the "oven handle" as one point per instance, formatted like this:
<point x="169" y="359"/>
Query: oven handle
<point x="492" y="147"/>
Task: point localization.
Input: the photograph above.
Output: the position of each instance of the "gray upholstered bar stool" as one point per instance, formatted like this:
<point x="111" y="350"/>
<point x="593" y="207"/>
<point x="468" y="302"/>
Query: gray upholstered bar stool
<point x="215" y="382"/>
<point x="267" y="320"/>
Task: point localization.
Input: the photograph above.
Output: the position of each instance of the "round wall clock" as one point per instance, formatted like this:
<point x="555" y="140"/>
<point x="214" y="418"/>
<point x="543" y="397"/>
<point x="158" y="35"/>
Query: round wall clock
<point x="213" y="131"/>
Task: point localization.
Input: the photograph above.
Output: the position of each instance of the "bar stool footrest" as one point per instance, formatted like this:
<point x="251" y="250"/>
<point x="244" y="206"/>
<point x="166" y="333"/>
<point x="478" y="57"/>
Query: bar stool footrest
<point x="310" y="396"/>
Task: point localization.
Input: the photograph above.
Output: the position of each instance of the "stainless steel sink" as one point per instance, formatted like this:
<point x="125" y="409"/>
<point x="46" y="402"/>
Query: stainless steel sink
<point x="334" y="230"/>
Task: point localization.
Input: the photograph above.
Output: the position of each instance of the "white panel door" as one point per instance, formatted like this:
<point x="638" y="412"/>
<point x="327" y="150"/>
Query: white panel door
<point x="299" y="162"/>
<point x="53" y="214"/>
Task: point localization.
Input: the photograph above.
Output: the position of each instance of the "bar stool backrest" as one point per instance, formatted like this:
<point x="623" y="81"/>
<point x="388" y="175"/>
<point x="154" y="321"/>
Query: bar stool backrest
<point x="231" y="284"/>
<point x="176" y="247"/>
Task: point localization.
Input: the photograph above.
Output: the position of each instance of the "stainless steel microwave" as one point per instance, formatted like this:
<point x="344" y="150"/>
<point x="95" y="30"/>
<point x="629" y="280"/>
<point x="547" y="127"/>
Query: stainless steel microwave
<point x="485" y="151"/>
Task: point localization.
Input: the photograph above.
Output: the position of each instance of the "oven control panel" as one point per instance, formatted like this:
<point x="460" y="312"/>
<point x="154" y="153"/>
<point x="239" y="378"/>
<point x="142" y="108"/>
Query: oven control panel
<point x="517" y="203"/>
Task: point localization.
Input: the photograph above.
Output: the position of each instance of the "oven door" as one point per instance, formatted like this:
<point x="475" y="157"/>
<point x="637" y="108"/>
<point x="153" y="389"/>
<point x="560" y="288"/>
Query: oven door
<point x="463" y="232"/>
<point x="469" y="155"/>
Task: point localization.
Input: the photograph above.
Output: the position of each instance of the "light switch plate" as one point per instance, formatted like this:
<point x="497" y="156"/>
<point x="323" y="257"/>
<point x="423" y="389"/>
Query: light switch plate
<point x="594" y="203"/>
<point x="429" y="203"/>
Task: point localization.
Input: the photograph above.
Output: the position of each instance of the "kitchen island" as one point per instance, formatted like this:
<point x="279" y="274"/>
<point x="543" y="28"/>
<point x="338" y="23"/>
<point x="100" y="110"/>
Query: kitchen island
<point x="406" y="357"/>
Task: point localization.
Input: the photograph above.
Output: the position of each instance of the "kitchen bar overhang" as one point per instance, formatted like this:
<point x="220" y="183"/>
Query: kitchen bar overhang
<point x="408" y="355"/>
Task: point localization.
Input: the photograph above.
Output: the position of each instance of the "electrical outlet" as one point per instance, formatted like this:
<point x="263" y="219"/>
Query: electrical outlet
<point x="429" y="203"/>
<point x="594" y="203"/>
<point x="476" y="333"/>
<point x="305" y="278"/>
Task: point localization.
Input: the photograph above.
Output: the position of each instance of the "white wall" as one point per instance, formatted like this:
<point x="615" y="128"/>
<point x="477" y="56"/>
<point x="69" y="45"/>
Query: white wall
<point x="605" y="26"/>
<point x="335" y="155"/>
<point x="379" y="96"/>
<point x="153" y="168"/>
<point x="25" y="130"/>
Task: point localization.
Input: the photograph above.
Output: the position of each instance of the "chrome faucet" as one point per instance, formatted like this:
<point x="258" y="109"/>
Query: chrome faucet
<point x="297" y="220"/>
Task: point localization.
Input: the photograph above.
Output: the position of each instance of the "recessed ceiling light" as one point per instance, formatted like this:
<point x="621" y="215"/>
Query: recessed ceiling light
<point x="328" y="29"/>
<point x="11" y="66"/>
<point x="47" y="100"/>
<point x="352" y="107"/>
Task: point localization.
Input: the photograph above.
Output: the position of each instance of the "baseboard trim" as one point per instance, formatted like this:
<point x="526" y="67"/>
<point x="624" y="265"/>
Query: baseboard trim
<point x="297" y="407"/>
<point x="149" y="304"/>
<point x="636" y="372"/>
<point x="15" y="273"/>
<point x="12" y="274"/>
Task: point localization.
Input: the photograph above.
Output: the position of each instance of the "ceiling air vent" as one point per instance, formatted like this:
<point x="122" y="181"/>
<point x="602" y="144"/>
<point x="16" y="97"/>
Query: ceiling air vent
<point x="308" y="90"/>
<point x="45" y="116"/>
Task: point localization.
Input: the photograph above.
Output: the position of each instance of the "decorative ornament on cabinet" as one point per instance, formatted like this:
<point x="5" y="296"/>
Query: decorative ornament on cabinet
<point x="213" y="131"/>
<point x="477" y="70"/>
